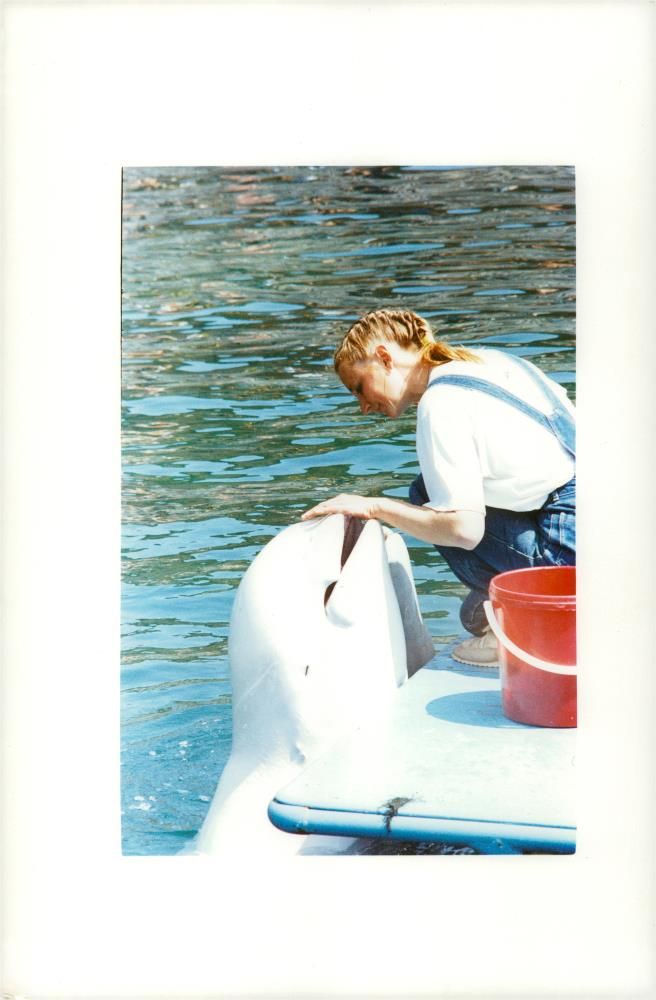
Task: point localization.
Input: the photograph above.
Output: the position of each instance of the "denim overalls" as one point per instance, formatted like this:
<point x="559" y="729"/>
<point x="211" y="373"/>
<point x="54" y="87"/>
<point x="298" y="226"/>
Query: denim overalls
<point x="513" y="540"/>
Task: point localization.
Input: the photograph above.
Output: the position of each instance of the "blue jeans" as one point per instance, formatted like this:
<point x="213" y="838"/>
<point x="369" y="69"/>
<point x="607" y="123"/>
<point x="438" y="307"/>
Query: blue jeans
<point x="512" y="540"/>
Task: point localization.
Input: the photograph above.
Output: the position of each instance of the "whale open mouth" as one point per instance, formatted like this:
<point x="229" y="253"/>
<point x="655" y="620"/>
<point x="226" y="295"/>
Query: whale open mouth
<point x="353" y="527"/>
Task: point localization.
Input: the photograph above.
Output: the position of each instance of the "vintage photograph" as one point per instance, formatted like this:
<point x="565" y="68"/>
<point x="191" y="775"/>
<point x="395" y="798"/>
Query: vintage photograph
<point x="311" y="685"/>
<point x="348" y="510"/>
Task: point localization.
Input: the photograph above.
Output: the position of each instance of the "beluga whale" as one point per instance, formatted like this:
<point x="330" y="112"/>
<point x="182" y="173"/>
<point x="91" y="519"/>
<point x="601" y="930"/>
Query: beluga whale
<point x="325" y="627"/>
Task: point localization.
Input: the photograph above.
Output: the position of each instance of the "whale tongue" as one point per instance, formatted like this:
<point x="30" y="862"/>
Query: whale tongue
<point x="353" y="527"/>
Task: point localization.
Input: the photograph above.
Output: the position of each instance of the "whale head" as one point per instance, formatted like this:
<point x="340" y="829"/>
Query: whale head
<point x="317" y="646"/>
<point x="313" y="643"/>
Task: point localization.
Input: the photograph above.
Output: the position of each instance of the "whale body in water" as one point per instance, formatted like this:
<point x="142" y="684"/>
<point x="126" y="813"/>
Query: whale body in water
<point x="325" y="626"/>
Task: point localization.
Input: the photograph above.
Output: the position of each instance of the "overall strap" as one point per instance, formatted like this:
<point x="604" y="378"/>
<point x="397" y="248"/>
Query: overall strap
<point x="544" y="385"/>
<point x="559" y="422"/>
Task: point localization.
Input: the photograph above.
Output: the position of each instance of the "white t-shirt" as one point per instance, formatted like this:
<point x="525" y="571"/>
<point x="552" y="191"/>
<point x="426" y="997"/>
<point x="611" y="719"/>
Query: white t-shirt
<point x="476" y="451"/>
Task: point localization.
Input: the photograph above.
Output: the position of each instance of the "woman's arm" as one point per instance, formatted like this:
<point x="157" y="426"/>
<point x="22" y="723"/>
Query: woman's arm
<point x="461" y="528"/>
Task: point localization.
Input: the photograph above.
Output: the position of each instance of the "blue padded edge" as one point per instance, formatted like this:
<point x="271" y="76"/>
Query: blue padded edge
<point x="490" y="838"/>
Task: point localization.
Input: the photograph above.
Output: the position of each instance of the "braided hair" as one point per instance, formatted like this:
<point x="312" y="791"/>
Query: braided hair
<point x="400" y="326"/>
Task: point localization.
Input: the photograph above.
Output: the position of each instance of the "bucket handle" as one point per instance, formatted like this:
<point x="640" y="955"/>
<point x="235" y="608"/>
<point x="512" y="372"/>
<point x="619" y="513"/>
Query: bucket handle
<point x="533" y="661"/>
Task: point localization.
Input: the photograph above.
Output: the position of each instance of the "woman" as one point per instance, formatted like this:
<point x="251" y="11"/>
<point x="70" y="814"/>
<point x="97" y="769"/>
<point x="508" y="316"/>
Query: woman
<point x="495" y="443"/>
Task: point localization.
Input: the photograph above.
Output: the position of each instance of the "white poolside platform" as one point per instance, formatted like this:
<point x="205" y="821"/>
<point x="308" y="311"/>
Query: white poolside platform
<point x="442" y="764"/>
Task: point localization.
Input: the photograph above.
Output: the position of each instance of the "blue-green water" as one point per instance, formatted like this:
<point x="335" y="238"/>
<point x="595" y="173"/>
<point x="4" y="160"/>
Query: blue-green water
<point x="237" y="284"/>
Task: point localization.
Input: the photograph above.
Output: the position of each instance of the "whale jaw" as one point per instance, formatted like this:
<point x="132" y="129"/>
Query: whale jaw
<point x="317" y="646"/>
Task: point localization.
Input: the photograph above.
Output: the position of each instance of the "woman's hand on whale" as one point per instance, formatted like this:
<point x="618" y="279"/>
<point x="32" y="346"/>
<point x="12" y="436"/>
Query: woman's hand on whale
<point x="461" y="528"/>
<point x="345" y="503"/>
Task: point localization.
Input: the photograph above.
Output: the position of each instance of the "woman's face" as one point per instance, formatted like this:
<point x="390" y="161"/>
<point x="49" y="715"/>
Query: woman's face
<point x="377" y="385"/>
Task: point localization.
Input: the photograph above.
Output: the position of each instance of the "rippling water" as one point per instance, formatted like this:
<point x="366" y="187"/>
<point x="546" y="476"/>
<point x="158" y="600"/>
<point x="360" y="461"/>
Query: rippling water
<point x="237" y="284"/>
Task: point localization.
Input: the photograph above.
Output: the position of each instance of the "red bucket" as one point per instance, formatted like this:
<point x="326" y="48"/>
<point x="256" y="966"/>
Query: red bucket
<point x="532" y="612"/>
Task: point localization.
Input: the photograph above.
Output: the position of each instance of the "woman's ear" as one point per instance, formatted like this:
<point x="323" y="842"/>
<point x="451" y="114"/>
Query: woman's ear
<point x="383" y="354"/>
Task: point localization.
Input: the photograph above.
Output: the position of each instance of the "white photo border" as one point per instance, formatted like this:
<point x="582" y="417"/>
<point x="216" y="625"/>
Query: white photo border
<point x="92" y="88"/>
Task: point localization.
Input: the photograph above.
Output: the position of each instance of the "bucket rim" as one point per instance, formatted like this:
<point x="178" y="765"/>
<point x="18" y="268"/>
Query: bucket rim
<point x="501" y="594"/>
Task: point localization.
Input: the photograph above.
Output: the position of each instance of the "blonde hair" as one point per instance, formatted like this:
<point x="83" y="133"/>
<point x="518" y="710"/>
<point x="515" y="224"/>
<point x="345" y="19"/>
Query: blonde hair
<point x="404" y="328"/>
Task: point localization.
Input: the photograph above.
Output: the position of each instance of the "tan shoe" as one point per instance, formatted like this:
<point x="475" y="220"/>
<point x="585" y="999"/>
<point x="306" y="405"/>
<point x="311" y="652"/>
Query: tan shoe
<point x="479" y="651"/>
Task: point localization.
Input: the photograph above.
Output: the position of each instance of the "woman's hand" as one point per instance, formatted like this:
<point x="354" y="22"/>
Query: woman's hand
<point x="461" y="528"/>
<point x="345" y="503"/>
